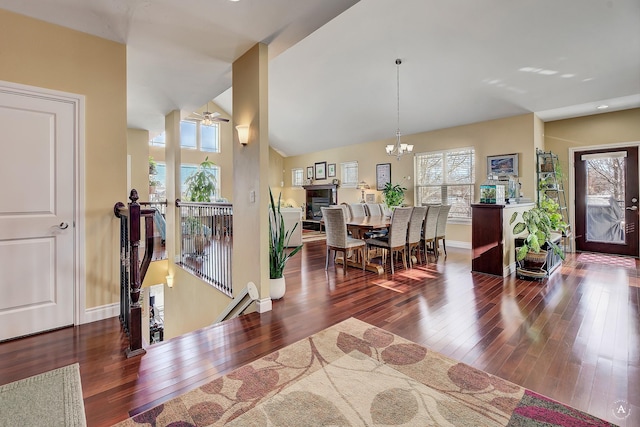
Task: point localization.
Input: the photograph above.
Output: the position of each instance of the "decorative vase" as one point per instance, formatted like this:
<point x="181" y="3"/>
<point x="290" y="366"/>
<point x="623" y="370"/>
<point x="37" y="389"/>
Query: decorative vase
<point x="277" y="288"/>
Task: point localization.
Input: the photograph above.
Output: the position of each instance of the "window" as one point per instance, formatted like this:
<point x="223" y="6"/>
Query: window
<point x="185" y="171"/>
<point x="447" y="177"/>
<point x="297" y="177"/>
<point x="209" y="140"/>
<point x="349" y="174"/>
<point x="188" y="134"/>
<point x="158" y="140"/>
<point x="194" y="135"/>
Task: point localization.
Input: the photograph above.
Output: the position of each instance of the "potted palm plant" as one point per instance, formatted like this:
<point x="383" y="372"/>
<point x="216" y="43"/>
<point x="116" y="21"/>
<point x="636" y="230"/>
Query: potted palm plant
<point x="532" y="248"/>
<point x="201" y="184"/>
<point x="279" y="253"/>
<point x="200" y="187"/>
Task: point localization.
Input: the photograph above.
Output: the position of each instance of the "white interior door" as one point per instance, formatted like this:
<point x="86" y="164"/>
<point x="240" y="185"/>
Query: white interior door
<point x="36" y="213"/>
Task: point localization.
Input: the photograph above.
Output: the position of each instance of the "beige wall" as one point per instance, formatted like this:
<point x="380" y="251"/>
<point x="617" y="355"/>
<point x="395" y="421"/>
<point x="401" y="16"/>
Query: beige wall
<point x="600" y="129"/>
<point x="138" y="155"/>
<point x="503" y="136"/>
<point x="40" y="54"/>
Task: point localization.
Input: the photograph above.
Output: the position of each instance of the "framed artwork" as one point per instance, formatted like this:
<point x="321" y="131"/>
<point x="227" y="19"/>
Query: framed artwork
<point x="309" y="172"/>
<point x="383" y="175"/>
<point x="370" y="198"/>
<point x="321" y="170"/>
<point x="331" y="169"/>
<point x="504" y="164"/>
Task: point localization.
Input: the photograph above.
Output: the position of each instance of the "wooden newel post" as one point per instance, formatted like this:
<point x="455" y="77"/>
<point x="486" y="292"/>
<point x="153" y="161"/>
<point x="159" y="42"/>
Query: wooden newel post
<point x="135" y="318"/>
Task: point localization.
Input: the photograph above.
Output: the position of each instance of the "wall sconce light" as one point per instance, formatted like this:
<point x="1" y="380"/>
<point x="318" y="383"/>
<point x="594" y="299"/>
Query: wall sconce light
<point x="243" y="134"/>
<point x="169" y="281"/>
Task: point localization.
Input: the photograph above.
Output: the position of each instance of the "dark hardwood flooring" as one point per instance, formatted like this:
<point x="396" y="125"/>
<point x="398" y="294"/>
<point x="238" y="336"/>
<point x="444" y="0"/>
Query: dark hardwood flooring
<point x="574" y="337"/>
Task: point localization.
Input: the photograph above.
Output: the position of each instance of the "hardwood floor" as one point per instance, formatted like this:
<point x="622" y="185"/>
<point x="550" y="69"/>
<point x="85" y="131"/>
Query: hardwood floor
<point x="574" y="337"/>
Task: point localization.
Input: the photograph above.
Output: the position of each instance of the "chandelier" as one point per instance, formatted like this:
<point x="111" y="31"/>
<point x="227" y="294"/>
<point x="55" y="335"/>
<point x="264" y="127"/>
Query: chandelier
<point x="400" y="148"/>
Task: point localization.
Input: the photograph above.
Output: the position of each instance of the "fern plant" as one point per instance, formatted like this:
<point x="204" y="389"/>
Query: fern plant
<point x="279" y="253"/>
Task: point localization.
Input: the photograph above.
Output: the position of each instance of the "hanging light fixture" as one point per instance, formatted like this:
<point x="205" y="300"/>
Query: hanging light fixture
<point x="400" y="148"/>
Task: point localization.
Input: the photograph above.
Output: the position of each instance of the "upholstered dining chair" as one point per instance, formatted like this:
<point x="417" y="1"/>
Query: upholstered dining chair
<point x="347" y="211"/>
<point x="414" y="235"/>
<point x="357" y="209"/>
<point x="396" y="240"/>
<point x="337" y="238"/>
<point x="374" y="209"/>
<point x="441" y="228"/>
<point x="429" y="230"/>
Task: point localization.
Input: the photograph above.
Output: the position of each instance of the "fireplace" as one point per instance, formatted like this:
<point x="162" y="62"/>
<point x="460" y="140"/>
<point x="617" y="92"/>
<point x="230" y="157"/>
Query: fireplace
<point x="318" y="196"/>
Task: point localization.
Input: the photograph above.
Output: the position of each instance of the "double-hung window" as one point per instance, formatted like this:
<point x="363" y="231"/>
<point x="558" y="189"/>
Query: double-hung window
<point x="446" y="177"/>
<point x="349" y="174"/>
<point x="297" y="177"/>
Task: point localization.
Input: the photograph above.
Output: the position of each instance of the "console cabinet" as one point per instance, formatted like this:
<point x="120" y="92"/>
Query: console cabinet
<point x="492" y="240"/>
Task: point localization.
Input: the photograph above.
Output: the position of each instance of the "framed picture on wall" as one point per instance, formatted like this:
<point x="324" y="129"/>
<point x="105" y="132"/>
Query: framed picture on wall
<point x="309" y="172"/>
<point x="504" y="164"/>
<point x="383" y="175"/>
<point x="321" y="170"/>
<point x="331" y="169"/>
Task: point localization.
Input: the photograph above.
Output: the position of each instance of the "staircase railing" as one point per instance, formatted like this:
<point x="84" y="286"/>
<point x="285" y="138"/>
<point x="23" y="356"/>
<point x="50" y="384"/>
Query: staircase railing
<point x="207" y="242"/>
<point x="132" y="269"/>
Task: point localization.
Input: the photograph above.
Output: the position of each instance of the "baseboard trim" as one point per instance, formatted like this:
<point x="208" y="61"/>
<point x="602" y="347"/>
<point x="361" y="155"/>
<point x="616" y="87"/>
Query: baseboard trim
<point x="458" y="244"/>
<point x="100" y="313"/>
<point x="264" y="305"/>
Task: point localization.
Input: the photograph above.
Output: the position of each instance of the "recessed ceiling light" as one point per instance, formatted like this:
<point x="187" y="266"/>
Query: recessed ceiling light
<point x="602" y="107"/>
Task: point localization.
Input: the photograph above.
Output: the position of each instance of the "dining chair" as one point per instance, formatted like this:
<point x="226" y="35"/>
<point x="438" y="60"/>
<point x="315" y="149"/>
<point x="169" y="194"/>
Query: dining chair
<point x="347" y="211"/>
<point x="337" y="238"/>
<point x="414" y="235"/>
<point x="374" y="209"/>
<point x="357" y="209"/>
<point x="441" y="228"/>
<point x="429" y="230"/>
<point x="396" y="240"/>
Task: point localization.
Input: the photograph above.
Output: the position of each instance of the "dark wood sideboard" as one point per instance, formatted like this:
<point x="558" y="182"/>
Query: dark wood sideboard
<point x="492" y="241"/>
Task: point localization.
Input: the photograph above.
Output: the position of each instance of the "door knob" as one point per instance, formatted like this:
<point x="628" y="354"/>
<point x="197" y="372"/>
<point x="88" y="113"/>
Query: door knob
<point x="632" y="208"/>
<point x="63" y="226"/>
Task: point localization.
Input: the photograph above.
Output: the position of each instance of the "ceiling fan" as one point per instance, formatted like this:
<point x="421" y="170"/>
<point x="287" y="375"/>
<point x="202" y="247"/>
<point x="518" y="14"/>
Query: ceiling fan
<point x="208" y="118"/>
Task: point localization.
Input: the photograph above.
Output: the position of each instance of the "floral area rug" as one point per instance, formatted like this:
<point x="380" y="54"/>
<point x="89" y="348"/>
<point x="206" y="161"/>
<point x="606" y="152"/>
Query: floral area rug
<point x="354" y="374"/>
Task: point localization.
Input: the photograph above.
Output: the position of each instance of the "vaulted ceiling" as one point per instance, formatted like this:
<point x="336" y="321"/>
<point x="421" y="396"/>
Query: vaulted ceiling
<point x="332" y="71"/>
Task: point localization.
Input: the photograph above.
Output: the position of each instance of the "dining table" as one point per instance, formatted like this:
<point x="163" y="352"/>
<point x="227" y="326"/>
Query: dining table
<point x="359" y="225"/>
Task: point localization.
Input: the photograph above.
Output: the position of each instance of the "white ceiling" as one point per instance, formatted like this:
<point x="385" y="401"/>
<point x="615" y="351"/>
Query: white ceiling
<point x="332" y="72"/>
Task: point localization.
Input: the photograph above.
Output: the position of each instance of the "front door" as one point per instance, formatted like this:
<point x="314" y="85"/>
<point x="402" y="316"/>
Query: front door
<point x="607" y="200"/>
<point x="36" y="212"/>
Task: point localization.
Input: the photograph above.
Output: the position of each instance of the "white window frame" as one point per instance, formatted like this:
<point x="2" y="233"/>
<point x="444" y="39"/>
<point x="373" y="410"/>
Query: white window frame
<point x="217" y="172"/>
<point x="463" y="213"/>
<point x="345" y="168"/>
<point x="297" y="177"/>
<point x="160" y="141"/>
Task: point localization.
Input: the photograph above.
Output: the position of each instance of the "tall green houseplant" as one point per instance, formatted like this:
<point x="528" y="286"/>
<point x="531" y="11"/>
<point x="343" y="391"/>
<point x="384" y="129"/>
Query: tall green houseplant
<point x="201" y="185"/>
<point x="393" y="194"/>
<point x="279" y="240"/>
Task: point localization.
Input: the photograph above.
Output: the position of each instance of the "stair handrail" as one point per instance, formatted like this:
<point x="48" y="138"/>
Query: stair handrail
<point x="240" y="303"/>
<point x="131" y="309"/>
